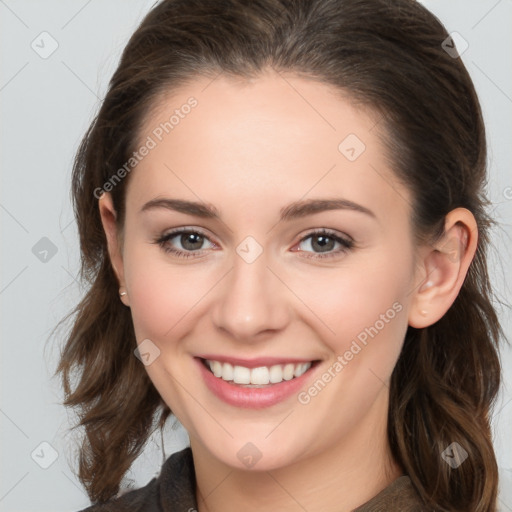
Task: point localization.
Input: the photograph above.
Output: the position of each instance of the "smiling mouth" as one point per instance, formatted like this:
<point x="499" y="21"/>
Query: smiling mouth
<point x="261" y="376"/>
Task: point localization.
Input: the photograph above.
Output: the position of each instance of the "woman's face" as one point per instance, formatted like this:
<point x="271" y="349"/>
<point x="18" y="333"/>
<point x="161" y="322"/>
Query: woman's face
<point x="254" y="286"/>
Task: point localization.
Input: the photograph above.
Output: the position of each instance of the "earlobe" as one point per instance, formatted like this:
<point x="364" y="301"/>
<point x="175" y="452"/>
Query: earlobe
<point x="443" y="269"/>
<point x="108" y="216"/>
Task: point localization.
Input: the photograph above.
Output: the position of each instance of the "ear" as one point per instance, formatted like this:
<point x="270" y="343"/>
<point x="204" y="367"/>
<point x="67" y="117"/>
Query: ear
<point x="108" y="216"/>
<point x="443" y="268"/>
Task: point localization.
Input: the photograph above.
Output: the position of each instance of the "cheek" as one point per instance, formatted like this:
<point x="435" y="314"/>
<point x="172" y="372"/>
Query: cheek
<point x="365" y="306"/>
<point x="162" y="294"/>
<point x="359" y="300"/>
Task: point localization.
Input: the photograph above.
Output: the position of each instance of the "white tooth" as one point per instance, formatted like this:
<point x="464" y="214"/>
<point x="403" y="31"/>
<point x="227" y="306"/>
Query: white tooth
<point x="301" y="369"/>
<point x="241" y="375"/>
<point x="260" y="375"/>
<point x="288" y="371"/>
<point x="227" y="371"/>
<point x="276" y="374"/>
<point x="216" y="368"/>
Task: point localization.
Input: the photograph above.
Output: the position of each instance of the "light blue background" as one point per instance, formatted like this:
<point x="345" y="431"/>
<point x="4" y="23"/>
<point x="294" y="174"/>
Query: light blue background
<point x="46" y="106"/>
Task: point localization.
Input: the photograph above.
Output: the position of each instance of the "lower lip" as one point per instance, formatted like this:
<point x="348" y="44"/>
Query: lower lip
<point x="252" y="398"/>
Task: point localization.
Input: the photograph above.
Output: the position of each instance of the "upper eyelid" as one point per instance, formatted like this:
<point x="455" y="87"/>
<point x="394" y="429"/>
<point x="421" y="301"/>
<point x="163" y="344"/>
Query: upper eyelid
<point x="178" y="231"/>
<point x="169" y="235"/>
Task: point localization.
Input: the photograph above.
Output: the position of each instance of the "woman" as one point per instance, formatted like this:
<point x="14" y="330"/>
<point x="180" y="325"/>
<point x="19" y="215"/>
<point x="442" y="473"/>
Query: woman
<point x="282" y="223"/>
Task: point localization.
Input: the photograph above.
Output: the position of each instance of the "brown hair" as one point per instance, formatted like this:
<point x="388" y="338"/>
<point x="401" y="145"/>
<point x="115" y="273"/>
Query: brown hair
<point x="386" y="55"/>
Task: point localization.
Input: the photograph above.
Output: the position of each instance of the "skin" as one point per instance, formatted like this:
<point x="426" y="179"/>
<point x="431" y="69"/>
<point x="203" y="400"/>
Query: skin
<point x="250" y="148"/>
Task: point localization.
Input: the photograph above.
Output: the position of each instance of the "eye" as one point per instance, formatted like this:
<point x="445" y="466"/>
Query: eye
<point x="324" y="241"/>
<point x="191" y="242"/>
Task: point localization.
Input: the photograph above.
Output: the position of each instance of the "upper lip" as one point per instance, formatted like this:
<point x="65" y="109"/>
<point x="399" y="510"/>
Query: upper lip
<point x="256" y="362"/>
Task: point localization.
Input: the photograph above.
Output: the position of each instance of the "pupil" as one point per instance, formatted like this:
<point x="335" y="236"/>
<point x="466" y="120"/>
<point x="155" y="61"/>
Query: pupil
<point x="189" y="239"/>
<point x="324" y="243"/>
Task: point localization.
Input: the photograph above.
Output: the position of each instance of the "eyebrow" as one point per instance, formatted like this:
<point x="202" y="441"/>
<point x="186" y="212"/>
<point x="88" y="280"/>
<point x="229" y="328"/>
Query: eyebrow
<point x="294" y="210"/>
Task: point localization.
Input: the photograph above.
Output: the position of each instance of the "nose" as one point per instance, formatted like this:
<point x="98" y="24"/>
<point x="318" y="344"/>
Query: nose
<point x="253" y="301"/>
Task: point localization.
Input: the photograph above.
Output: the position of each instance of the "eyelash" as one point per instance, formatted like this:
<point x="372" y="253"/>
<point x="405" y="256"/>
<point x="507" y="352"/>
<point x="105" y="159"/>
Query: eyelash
<point x="346" y="243"/>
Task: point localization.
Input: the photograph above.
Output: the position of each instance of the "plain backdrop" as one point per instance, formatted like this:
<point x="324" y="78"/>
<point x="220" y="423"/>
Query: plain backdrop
<point x="57" y="58"/>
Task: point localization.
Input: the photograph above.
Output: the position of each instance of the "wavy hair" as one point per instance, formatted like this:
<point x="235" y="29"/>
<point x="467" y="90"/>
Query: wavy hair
<point x="386" y="55"/>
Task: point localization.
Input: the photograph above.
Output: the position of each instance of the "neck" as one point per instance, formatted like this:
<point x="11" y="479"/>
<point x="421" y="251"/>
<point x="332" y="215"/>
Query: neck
<point x="339" y="479"/>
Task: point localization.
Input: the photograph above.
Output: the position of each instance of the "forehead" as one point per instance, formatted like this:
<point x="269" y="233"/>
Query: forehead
<point x="276" y="138"/>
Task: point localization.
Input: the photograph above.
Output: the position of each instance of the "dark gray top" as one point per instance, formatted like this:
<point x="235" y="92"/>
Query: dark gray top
<point x="175" y="491"/>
